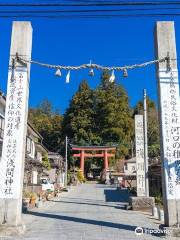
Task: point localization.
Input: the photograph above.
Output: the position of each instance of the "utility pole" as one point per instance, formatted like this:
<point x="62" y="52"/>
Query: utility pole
<point x="66" y="163"/>
<point x="132" y="149"/>
<point x="146" y="145"/>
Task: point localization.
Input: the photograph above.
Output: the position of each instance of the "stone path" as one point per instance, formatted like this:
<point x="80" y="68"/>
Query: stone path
<point x="87" y="212"/>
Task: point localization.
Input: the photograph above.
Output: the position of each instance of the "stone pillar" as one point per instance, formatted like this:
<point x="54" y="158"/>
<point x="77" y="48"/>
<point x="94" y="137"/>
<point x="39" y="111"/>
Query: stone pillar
<point x="140" y="166"/>
<point x="82" y="161"/>
<point x="169" y="116"/>
<point x="14" y="143"/>
<point x="106" y="160"/>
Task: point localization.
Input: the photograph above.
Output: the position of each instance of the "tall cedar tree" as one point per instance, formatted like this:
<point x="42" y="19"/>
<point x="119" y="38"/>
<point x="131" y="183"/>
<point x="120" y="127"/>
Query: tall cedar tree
<point x="78" y="123"/>
<point x="113" y="115"/>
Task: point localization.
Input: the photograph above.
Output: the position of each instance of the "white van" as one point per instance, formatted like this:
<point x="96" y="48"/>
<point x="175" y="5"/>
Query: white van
<point x="46" y="184"/>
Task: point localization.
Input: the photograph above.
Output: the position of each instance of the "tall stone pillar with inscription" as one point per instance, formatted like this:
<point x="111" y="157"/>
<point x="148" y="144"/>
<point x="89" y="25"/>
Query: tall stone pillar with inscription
<point x="169" y="116"/>
<point x="141" y="201"/>
<point x="14" y="143"/>
<point x="140" y="166"/>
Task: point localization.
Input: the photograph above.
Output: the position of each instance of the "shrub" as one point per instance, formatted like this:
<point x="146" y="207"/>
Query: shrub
<point x="46" y="163"/>
<point x="26" y="194"/>
<point x="80" y="176"/>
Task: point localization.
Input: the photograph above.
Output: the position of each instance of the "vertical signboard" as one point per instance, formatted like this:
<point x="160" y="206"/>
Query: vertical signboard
<point x="140" y="167"/>
<point x="10" y="165"/>
<point x="170" y="120"/>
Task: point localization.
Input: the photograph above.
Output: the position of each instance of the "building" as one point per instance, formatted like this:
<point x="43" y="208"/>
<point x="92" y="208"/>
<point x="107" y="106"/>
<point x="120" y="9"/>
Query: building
<point x="57" y="172"/>
<point x="155" y="180"/>
<point x="35" y="151"/>
<point x="130" y="172"/>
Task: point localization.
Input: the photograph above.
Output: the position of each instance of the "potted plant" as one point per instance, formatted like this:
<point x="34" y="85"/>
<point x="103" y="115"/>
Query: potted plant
<point x="26" y="199"/>
<point x="159" y="203"/>
<point x="80" y="176"/>
<point x="33" y="199"/>
<point x="39" y="200"/>
<point x="26" y="196"/>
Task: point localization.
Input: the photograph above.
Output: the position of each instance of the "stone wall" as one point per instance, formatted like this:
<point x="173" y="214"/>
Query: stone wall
<point x="141" y="203"/>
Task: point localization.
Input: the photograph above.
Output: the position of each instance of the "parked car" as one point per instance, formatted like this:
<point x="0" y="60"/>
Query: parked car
<point x="46" y="184"/>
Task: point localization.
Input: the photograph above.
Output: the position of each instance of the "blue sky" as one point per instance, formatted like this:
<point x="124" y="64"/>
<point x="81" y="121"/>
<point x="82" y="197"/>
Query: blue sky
<point x="117" y="41"/>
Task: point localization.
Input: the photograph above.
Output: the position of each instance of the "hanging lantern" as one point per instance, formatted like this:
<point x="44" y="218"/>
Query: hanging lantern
<point x="112" y="77"/>
<point x="91" y="72"/>
<point x="68" y="77"/>
<point x="125" y="72"/>
<point x="58" y="73"/>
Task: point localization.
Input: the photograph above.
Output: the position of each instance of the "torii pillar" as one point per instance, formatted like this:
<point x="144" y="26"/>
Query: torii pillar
<point x="82" y="161"/>
<point x="106" y="164"/>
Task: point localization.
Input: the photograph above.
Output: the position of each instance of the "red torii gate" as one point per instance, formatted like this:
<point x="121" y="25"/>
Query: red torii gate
<point x="104" y="153"/>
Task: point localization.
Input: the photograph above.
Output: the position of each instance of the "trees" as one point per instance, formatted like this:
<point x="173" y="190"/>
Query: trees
<point x="100" y="116"/>
<point x="78" y="122"/>
<point x="48" y="123"/>
<point x="113" y="115"/>
<point x="45" y="162"/>
<point x="153" y="127"/>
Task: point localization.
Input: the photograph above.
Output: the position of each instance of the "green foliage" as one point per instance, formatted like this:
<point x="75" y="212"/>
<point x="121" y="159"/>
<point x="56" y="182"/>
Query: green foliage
<point x="158" y="198"/>
<point x="69" y="177"/>
<point x="113" y="117"/>
<point x="78" y="120"/>
<point x="95" y="117"/>
<point x="100" y="116"/>
<point x="45" y="107"/>
<point x="153" y="127"/>
<point x="26" y="194"/>
<point x="46" y="163"/>
<point x="154" y="150"/>
<point x="80" y="176"/>
<point x="48" y="124"/>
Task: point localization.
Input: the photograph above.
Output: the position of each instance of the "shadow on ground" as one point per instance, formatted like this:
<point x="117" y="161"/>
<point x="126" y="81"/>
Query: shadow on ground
<point x="89" y="203"/>
<point x="116" y="195"/>
<point x="87" y="221"/>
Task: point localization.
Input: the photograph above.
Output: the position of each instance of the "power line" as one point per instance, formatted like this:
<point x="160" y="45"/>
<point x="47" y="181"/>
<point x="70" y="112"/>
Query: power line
<point x="87" y="4"/>
<point x="93" y="16"/>
<point x="87" y="10"/>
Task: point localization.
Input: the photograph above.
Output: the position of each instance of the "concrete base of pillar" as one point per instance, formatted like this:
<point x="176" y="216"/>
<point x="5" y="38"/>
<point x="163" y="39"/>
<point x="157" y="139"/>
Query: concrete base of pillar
<point x="141" y="203"/>
<point x="7" y="230"/>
